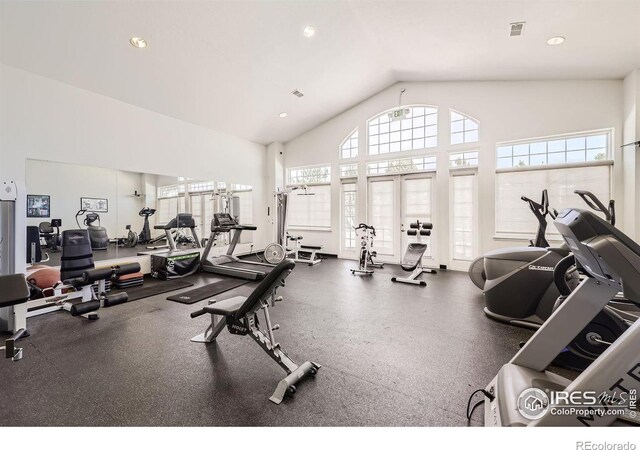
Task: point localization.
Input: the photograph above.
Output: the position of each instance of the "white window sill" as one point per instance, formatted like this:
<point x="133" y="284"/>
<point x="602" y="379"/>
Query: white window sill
<point x="309" y="228"/>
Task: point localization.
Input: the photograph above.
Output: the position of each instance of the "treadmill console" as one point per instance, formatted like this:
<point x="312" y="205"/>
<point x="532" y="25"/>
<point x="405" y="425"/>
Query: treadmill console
<point x="224" y="220"/>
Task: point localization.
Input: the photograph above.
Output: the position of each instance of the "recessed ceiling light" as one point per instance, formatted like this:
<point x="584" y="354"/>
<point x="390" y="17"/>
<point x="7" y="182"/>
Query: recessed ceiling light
<point x="309" y="31"/>
<point x="138" y="42"/>
<point x="556" y="40"/>
<point x="282" y="115"/>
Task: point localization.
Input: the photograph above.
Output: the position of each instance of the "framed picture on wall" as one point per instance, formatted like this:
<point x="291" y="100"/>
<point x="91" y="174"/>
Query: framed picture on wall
<point x="38" y="205"/>
<point x="94" y="204"/>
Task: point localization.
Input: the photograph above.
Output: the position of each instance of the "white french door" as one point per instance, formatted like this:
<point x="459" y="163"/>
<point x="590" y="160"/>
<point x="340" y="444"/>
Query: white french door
<point x="393" y="203"/>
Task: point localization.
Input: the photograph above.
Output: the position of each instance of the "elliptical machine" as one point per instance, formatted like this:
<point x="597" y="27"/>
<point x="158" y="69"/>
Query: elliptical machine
<point x="97" y="233"/>
<point x="366" y="263"/>
<point x="518" y="282"/>
<point x="145" y="235"/>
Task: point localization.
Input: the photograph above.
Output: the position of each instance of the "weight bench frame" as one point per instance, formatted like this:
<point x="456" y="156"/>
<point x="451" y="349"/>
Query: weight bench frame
<point x="89" y="289"/>
<point x="243" y="320"/>
<point x="418" y="229"/>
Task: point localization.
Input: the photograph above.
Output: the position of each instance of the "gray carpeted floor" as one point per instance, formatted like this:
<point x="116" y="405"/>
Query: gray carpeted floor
<point x="391" y="355"/>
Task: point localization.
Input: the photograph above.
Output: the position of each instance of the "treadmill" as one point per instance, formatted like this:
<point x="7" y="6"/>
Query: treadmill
<point x="228" y="264"/>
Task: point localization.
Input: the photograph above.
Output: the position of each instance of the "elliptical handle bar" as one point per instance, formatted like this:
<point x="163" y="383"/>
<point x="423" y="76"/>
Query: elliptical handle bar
<point x="594" y="203"/>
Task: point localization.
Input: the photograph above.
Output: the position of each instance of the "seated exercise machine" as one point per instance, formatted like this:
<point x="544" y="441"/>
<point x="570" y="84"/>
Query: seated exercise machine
<point x="181" y="221"/>
<point x="228" y="264"/>
<point x="524" y="393"/>
<point x="145" y="235"/>
<point x="412" y="259"/>
<point x="240" y="316"/>
<point x="366" y="263"/>
<point x="82" y="287"/>
<point x="275" y="252"/>
<point x="50" y="236"/>
<point x="300" y="251"/>
<point x="14" y="294"/>
<point x="97" y="233"/>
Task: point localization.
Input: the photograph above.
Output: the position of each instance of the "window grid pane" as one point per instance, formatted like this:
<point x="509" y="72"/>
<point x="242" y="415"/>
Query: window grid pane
<point x="416" y="130"/>
<point x="349" y="147"/>
<point x="570" y="150"/>
<point x="348" y="170"/>
<point x="406" y="165"/>
<point x="306" y="175"/>
<point x="463" y="159"/>
<point x="463" y="129"/>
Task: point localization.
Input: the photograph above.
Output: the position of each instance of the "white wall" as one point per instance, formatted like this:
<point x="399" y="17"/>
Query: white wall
<point x="506" y="111"/>
<point x="44" y="178"/>
<point x="41" y="118"/>
<point x="631" y="159"/>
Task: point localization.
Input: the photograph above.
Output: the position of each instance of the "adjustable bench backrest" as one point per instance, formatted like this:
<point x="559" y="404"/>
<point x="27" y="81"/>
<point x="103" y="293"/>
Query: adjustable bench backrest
<point x="265" y="288"/>
<point x="76" y="254"/>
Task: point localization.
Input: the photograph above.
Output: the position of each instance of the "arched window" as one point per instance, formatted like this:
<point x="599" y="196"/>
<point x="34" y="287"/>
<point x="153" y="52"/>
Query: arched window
<point x="402" y="129"/>
<point x="463" y="128"/>
<point x="349" y="147"/>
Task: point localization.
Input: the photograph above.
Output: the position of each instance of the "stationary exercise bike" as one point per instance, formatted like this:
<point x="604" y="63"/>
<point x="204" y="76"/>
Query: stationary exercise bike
<point x="366" y="263"/>
<point x="145" y="235"/>
<point x="97" y="233"/>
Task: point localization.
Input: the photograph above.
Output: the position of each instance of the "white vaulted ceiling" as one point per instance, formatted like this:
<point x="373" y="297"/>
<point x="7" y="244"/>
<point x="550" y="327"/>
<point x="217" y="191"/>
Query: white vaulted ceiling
<point x="231" y="65"/>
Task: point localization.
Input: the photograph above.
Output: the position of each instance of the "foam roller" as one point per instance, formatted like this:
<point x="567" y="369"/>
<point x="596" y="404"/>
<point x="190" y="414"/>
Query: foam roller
<point x="126" y="269"/>
<point x="89" y="276"/>
<point x="115" y="299"/>
<point x="84" y="308"/>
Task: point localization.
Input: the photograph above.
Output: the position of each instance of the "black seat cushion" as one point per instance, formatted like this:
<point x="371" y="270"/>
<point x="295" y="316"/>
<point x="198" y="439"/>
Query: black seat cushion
<point x="226" y="307"/>
<point x="266" y="286"/>
<point x="13" y="290"/>
<point x="413" y="256"/>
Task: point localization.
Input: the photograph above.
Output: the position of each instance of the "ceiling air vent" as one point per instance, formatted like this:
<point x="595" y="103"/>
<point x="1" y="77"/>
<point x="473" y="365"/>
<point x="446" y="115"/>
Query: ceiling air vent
<point x="297" y="93"/>
<point x="517" y="28"/>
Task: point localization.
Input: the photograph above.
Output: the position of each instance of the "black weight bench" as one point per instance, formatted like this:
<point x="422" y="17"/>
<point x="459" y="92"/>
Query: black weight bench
<point x="412" y="259"/>
<point x="240" y="316"/>
<point x="14" y="293"/>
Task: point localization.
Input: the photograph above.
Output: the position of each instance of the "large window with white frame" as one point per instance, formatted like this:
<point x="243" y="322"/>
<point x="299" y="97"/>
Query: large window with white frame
<point x="463" y="216"/>
<point x="559" y="164"/>
<point x="415" y="129"/>
<point x="464" y="129"/>
<point x="348" y="170"/>
<point x="349" y="147"/>
<point x="311" y="210"/>
<point x="565" y="149"/>
<point x="349" y="199"/>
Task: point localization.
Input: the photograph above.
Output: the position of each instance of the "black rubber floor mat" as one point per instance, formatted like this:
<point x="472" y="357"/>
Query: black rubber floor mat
<point x="155" y="288"/>
<point x="197" y="294"/>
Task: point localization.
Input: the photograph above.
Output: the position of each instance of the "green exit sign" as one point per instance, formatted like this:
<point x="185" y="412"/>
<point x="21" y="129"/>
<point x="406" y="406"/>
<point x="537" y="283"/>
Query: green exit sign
<point x="399" y="114"/>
